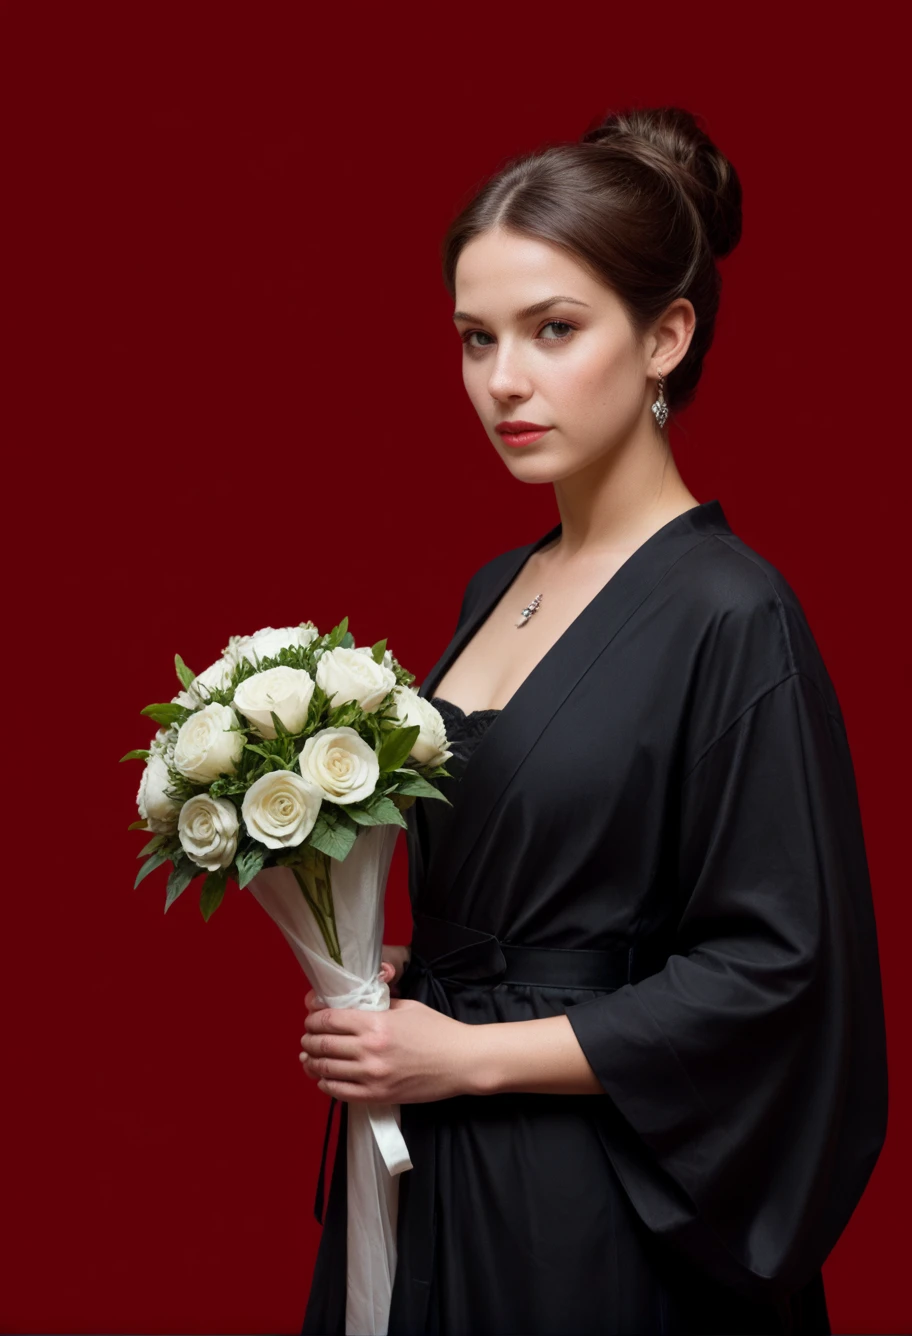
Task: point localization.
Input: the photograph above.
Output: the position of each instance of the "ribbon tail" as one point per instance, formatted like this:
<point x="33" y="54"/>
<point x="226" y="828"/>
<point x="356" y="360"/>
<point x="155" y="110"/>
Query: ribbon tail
<point x="385" y="1124"/>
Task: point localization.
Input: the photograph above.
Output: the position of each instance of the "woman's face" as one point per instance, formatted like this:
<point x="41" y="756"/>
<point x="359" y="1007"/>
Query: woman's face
<point x="576" y="367"/>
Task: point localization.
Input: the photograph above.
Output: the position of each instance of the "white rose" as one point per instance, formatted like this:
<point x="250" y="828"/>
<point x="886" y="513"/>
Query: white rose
<point x="209" y="744"/>
<point x="341" y="764"/>
<point x="159" y="812"/>
<point x="280" y="809"/>
<point x="208" y="830"/>
<point x="351" y="674"/>
<point x="216" y="676"/>
<point x="285" y="690"/>
<point x="429" y="748"/>
<point x="266" y="643"/>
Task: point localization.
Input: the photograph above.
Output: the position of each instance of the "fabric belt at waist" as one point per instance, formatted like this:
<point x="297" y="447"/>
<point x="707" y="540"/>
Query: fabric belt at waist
<point x="454" y="951"/>
<point x="469" y="955"/>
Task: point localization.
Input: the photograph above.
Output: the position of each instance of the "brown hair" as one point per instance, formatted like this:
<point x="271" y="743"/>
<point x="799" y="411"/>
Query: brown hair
<point x="645" y="201"/>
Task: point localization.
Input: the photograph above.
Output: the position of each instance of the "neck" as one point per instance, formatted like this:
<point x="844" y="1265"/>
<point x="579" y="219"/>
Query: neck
<point x="618" y="500"/>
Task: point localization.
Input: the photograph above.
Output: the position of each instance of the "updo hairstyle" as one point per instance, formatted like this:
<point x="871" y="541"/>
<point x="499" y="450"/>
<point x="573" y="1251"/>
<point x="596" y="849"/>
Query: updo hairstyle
<point x="644" y="201"/>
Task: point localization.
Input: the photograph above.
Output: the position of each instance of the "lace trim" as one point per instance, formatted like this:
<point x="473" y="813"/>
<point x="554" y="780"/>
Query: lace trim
<point x="459" y="724"/>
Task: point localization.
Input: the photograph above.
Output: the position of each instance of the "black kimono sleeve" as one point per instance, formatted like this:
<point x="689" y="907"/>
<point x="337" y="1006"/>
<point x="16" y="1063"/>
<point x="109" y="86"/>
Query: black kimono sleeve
<point x="747" y="1077"/>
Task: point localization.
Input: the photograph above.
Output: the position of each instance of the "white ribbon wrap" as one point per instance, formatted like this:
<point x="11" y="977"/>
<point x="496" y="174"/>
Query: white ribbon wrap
<point x="376" y="1150"/>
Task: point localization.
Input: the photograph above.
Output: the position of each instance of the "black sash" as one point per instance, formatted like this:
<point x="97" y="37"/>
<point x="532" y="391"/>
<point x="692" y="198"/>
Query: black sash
<point x="442" y="950"/>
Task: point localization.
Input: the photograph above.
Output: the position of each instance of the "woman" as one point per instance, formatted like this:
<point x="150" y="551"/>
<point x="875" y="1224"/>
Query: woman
<point x="651" y="887"/>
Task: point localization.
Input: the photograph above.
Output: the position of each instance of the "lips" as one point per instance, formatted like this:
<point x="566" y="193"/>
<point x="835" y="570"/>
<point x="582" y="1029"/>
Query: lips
<point x="512" y="428"/>
<point x="517" y="434"/>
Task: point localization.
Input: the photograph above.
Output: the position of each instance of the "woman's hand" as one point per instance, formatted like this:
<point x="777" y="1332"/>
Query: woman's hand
<point x="406" y="1055"/>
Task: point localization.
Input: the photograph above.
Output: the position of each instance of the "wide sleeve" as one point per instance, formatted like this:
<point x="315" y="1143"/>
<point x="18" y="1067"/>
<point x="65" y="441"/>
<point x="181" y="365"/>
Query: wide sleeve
<point x="748" y="1076"/>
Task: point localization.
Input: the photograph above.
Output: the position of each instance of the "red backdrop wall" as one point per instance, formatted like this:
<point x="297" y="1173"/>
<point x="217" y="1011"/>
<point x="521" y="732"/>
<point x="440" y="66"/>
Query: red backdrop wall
<point x="234" y="399"/>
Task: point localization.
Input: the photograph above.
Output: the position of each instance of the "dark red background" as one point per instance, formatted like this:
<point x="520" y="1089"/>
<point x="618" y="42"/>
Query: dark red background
<point x="233" y="399"/>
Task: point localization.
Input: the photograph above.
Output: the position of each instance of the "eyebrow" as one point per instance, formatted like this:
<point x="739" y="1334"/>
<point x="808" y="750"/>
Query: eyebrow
<point x="526" y="312"/>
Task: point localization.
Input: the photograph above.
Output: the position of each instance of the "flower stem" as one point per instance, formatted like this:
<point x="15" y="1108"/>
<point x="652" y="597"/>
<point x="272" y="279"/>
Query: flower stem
<point x="314" y="878"/>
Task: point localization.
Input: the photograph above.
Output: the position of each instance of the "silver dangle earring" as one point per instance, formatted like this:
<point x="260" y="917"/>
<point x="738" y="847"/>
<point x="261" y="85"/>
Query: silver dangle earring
<point x="660" y="408"/>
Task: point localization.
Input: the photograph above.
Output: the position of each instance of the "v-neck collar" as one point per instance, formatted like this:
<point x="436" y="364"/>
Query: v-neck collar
<point x="516" y="728"/>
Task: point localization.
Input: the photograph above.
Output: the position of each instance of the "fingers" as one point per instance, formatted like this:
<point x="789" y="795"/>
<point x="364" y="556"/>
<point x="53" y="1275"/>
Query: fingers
<point x="330" y="1046"/>
<point x="345" y="1090"/>
<point x="329" y="1069"/>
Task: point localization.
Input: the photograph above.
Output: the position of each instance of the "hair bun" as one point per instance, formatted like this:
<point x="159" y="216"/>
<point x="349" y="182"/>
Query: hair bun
<point x="671" y="137"/>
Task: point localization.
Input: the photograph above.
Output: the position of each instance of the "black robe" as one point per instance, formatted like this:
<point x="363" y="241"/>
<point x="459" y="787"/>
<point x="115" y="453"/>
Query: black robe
<point x="659" y="835"/>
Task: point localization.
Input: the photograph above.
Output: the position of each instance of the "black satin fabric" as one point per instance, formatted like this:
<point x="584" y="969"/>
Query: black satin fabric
<point x="669" y="801"/>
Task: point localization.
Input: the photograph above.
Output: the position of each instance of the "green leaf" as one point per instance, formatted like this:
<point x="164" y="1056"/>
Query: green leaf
<point x="137" y="825"/>
<point x="279" y="727"/>
<point x="155" y="860"/>
<point x="379" y="650"/>
<point x="167" y="713"/>
<point x="179" y="879"/>
<point x="337" y="634"/>
<point x="363" y="817"/>
<point x="139" y="754"/>
<point x="397" y="746"/>
<point x="387" y="813"/>
<point x="348" y="640"/>
<point x="276" y="761"/>
<point x="335" y="840"/>
<point x="212" y="892"/>
<point x="249" y="863"/>
<point x="419" y="787"/>
<point x="255" y="747"/>
<point x="184" y="674"/>
<point x="155" y="843"/>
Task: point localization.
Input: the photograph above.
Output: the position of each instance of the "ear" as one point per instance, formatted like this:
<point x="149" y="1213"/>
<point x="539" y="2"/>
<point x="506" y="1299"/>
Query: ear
<point x="670" y="336"/>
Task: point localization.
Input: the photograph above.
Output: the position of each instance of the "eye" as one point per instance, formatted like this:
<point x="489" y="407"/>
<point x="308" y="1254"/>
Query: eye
<point x="553" y="324"/>
<point x="470" y="333"/>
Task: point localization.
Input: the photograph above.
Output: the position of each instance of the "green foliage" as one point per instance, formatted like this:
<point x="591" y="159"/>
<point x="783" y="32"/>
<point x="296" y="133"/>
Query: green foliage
<point x="336" y="635"/>
<point x="180" y="788"/>
<point x="157" y="842"/>
<point x="249" y="862"/>
<point x="386" y="813"/>
<point x="279" y="727"/>
<point x="333" y="833"/>
<point x="279" y="754"/>
<point x="152" y="862"/>
<point x="419" y="787"/>
<point x="167" y="713"/>
<point x="396" y="747"/>
<point x="181" y="875"/>
<point x="345" y="715"/>
<point x="184" y="675"/>
<point x="378" y="650"/>
<point x="212" y="892"/>
<point x="138" y="754"/>
<point x="137" y="825"/>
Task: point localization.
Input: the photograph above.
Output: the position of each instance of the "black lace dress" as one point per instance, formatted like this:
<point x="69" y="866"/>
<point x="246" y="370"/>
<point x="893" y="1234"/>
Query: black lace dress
<point x="464" y="732"/>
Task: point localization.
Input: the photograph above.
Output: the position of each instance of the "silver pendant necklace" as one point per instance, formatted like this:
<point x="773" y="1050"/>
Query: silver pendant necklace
<point x="528" y="611"/>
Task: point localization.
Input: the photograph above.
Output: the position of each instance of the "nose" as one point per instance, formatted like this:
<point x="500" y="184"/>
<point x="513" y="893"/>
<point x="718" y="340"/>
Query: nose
<point x="508" y="378"/>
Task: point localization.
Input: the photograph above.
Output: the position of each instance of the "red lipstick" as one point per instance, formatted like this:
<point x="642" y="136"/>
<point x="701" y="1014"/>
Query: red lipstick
<point x="520" y="433"/>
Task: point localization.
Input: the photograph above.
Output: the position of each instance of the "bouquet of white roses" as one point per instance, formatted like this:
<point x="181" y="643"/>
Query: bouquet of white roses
<point x="285" y="767"/>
